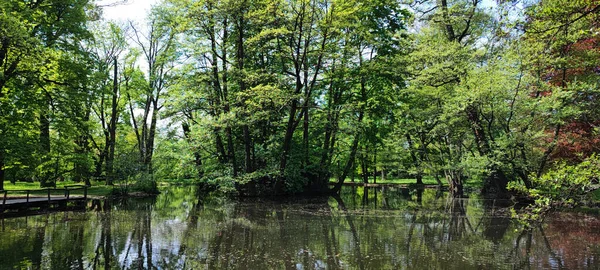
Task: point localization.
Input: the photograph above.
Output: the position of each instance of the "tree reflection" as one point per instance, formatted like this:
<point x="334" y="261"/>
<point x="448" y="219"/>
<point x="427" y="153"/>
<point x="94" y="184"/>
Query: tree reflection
<point x="355" y="237"/>
<point x="104" y="251"/>
<point x="388" y="228"/>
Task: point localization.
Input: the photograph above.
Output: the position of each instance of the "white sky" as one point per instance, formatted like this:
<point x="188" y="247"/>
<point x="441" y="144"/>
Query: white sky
<point x="134" y="10"/>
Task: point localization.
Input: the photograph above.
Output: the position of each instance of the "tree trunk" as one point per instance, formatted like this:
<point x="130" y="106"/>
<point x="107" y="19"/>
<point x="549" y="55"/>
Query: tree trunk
<point x="112" y="129"/>
<point x="416" y="161"/>
<point x="326" y="143"/>
<point x="548" y="151"/>
<point x="455" y="184"/>
<point x="82" y="172"/>
<point x="497" y="181"/>
<point x="1" y="168"/>
<point x="354" y="147"/>
<point x="350" y="162"/>
<point x="353" y="173"/>
<point x="44" y="133"/>
<point x="241" y="54"/>
<point x="249" y="164"/>
<point x="479" y="133"/>
<point x="329" y="144"/>
<point x="231" y="151"/>
<point x="365" y="165"/>
<point x="45" y="178"/>
<point x="446" y="16"/>
<point x="228" y="131"/>
<point x="438" y="180"/>
<point x="150" y="140"/>
<point x="305" y="137"/>
<point x="197" y="156"/>
<point x="375" y="166"/>
<point x="220" y="147"/>
<point x="99" y="162"/>
<point x="287" y="139"/>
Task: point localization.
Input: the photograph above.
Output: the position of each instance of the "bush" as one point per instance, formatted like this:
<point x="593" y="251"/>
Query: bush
<point x="565" y="186"/>
<point x="145" y="183"/>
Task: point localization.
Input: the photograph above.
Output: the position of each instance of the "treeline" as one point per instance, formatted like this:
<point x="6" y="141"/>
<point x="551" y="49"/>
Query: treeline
<point x="271" y="97"/>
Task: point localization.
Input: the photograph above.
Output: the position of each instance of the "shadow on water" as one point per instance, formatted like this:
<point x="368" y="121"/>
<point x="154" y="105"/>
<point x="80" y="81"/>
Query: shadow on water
<point x="363" y="228"/>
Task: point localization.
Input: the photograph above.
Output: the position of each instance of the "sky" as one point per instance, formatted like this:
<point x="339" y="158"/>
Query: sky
<point x="134" y="10"/>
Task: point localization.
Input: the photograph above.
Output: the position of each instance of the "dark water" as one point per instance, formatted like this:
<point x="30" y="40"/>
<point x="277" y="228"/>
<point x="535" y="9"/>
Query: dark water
<point x="364" y="229"/>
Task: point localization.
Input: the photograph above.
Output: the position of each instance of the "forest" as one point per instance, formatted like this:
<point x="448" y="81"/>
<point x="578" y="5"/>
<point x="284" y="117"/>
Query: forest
<point x="273" y="97"/>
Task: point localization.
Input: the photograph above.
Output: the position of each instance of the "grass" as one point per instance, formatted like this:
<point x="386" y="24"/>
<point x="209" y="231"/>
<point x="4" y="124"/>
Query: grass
<point x="166" y="182"/>
<point x="427" y="180"/>
<point x="96" y="190"/>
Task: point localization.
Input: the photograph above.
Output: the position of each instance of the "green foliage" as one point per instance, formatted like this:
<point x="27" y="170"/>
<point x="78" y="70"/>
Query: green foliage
<point x="564" y="186"/>
<point x="145" y="183"/>
<point x="280" y="96"/>
<point x="174" y="154"/>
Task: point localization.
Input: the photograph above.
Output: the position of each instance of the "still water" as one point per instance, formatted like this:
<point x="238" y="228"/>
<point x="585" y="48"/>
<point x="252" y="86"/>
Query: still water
<point x="376" y="228"/>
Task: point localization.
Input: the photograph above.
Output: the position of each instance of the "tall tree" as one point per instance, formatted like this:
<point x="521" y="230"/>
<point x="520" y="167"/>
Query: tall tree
<point x="110" y="43"/>
<point x="158" y="49"/>
<point x="32" y="33"/>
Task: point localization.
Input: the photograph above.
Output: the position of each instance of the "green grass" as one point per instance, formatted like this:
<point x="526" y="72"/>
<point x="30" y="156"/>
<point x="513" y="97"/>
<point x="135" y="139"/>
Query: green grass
<point x="96" y="190"/>
<point x="427" y="180"/>
<point x="166" y="182"/>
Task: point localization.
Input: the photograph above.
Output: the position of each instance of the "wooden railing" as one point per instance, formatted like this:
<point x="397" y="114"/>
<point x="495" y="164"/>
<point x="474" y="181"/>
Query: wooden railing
<point x="66" y="189"/>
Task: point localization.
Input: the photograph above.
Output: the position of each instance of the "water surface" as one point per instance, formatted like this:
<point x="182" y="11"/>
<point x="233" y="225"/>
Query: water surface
<point x="376" y="228"/>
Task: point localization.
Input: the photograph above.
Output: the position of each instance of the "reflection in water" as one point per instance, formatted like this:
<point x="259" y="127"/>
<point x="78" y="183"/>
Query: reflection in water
<point x="364" y="228"/>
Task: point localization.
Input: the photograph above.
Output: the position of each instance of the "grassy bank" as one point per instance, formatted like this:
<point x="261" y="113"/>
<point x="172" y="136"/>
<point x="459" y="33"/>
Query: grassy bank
<point x="398" y="181"/>
<point x="427" y="180"/>
<point x="96" y="190"/>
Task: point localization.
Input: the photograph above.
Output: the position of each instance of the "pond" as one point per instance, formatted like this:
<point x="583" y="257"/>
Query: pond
<point x="375" y="228"/>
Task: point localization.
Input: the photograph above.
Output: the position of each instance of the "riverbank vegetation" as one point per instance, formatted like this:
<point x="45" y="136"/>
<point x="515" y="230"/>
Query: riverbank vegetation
<point x="269" y="97"/>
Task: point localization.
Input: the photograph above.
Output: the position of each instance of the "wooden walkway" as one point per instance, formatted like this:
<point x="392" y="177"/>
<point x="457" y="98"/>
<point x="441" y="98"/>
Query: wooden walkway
<point x="53" y="197"/>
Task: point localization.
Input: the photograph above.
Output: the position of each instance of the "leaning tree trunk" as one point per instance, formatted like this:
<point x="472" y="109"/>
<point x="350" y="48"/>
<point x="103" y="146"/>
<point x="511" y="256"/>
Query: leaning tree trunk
<point x="354" y="147"/>
<point x="350" y="163"/>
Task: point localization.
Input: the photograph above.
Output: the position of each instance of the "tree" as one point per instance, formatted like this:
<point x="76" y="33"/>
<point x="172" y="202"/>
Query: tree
<point x="32" y="33"/>
<point x="373" y="48"/>
<point x="564" y="54"/>
<point x="158" y="50"/>
<point x="110" y="43"/>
